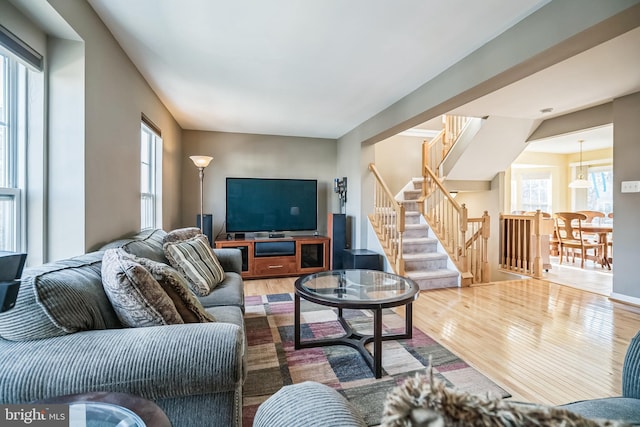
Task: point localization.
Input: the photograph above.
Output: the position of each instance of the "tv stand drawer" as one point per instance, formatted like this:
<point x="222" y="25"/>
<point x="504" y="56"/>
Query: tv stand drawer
<point x="274" y="266"/>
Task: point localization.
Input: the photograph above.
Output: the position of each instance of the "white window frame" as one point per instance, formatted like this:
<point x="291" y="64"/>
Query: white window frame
<point x="579" y="196"/>
<point x="519" y="176"/>
<point x="15" y="91"/>
<point x="150" y="201"/>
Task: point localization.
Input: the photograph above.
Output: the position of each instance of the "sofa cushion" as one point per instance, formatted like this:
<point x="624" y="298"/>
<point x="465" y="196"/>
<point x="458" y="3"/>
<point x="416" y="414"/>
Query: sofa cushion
<point x="615" y="408"/>
<point x="229" y="292"/>
<point x="59" y="298"/>
<point x="195" y="260"/>
<point x="137" y="298"/>
<point x="177" y="288"/>
<point x="227" y="314"/>
<point x="145" y="244"/>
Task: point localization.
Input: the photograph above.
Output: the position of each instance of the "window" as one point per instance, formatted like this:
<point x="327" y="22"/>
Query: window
<point x="150" y="188"/>
<point x="600" y="195"/>
<point x="13" y="99"/>
<point x="532" y="191"/>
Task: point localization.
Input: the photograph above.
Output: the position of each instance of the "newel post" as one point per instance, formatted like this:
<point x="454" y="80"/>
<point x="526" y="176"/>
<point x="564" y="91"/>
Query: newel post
<point x="462" y="245"/>
<point x="537" y="236"/>
<point x="486" y="233"/>
<point x="400" y="225"/>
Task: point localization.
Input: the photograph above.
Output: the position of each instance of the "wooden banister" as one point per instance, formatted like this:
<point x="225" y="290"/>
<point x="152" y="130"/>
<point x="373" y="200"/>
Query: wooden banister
<point x="388" y="219"/>
<point x="448" y="219"/>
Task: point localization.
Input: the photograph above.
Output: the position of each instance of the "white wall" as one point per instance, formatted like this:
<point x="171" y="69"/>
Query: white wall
<point x="254" y="156"/>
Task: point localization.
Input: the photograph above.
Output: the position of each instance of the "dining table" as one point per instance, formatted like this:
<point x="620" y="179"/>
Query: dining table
<point x="603" y="231"/>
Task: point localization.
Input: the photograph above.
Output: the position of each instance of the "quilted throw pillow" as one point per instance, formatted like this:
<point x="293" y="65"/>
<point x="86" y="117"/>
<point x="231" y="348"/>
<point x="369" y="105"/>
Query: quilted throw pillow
<point x="180" y="234"/>
<point x="195" y="260"/>
<point x="136" y="297"/>
<point x="190" y="309"/>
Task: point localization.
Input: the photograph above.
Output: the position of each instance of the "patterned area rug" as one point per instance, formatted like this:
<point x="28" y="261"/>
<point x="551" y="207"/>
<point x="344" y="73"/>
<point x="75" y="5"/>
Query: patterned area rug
<point x="273" y="362"/>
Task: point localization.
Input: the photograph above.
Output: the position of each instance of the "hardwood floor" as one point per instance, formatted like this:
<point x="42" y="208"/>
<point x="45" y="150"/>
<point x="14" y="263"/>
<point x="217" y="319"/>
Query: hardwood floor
<point x="541" y="341"/>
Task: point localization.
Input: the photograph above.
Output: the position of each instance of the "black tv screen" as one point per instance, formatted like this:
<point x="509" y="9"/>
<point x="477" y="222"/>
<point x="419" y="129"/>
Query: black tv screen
<point x="270" y="204"/>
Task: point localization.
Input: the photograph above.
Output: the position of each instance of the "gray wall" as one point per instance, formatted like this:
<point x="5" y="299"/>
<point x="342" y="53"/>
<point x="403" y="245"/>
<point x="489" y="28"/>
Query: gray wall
<point x="115" y="95"/>
<point x="399" y="159"/>
<point x="254" y="156"/>
<point x="626" y="167"/>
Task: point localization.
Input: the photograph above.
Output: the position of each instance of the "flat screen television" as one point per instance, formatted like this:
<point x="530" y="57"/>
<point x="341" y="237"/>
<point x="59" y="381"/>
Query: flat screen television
<point x="271" y="204"/>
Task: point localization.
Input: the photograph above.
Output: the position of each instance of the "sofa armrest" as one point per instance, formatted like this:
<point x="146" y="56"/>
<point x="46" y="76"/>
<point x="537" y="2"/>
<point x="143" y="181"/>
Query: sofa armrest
<point x="154" y="362"/>
<point x="631" y="369"/>
<point x="230" y="259"/>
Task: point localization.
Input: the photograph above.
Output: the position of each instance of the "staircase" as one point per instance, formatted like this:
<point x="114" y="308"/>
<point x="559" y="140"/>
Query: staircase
<point x="423" y="262"/>
<point x="454" y="251"/>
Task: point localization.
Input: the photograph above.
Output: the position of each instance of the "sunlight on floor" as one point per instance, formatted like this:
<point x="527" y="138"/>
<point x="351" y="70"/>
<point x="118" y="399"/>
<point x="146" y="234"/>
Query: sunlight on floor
<point x="592" y="278"/>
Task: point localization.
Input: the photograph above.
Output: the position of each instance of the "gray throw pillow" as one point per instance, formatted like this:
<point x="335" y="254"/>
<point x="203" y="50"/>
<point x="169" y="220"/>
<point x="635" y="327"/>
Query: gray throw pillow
<point x="136" y="297"/>
<point x="195" y="260"/>
<point x="176" y="286"/>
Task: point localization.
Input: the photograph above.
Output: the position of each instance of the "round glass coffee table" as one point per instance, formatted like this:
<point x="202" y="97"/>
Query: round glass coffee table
<point x="357" y="289"/>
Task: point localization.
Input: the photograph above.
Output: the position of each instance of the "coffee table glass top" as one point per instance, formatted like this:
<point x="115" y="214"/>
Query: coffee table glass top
<point x="356" y="286"/>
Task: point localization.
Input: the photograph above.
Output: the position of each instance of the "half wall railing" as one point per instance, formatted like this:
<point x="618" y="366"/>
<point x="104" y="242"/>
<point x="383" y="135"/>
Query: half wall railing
<point x="524" y="243"/>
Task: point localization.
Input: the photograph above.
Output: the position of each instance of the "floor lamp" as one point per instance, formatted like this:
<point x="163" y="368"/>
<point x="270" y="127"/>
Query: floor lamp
<point x="201" y="162"/>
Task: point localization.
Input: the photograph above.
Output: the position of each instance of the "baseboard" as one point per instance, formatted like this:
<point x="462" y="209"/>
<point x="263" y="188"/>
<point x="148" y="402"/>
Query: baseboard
<point x="626" y="299"/>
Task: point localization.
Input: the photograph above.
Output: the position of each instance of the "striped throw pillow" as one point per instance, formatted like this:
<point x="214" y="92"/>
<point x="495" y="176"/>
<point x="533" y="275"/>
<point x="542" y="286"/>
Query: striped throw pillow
<point x="195" y="260"/>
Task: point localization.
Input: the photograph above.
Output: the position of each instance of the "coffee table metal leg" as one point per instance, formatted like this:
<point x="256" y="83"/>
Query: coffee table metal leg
<point x="377" y="342"/>
<point x="296" y="322"/>
<point x="408" y="314"/>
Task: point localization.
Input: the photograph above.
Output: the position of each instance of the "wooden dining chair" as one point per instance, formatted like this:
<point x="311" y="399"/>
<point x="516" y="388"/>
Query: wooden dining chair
<point x="569" y="233"/>
<point x="591" y="215"/>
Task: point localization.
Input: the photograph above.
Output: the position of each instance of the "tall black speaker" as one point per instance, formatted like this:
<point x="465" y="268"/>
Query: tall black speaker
<point x="337" y="228"/>
<point x="207" y="229"/>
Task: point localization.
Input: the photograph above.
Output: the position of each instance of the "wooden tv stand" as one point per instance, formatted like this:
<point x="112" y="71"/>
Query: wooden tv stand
<point x="287" y="256"/>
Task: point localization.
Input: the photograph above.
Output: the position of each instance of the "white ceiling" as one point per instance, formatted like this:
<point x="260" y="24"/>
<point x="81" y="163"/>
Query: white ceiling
<point x="591" y="78"/>
<point x="320" y="69"/>
<point x="287" y="67"/>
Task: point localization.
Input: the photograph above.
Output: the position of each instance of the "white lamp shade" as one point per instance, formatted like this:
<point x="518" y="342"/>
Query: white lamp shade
<point x="201" y="161"/>
<point x="580" y="183"/>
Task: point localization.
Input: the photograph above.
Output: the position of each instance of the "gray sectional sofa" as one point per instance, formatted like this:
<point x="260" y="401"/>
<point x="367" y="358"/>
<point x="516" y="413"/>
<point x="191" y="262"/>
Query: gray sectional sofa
<point x="63" y="337"/>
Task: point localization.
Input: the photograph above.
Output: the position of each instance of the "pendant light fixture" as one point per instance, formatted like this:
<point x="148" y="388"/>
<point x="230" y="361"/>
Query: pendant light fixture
<point x="580" y="182"/>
